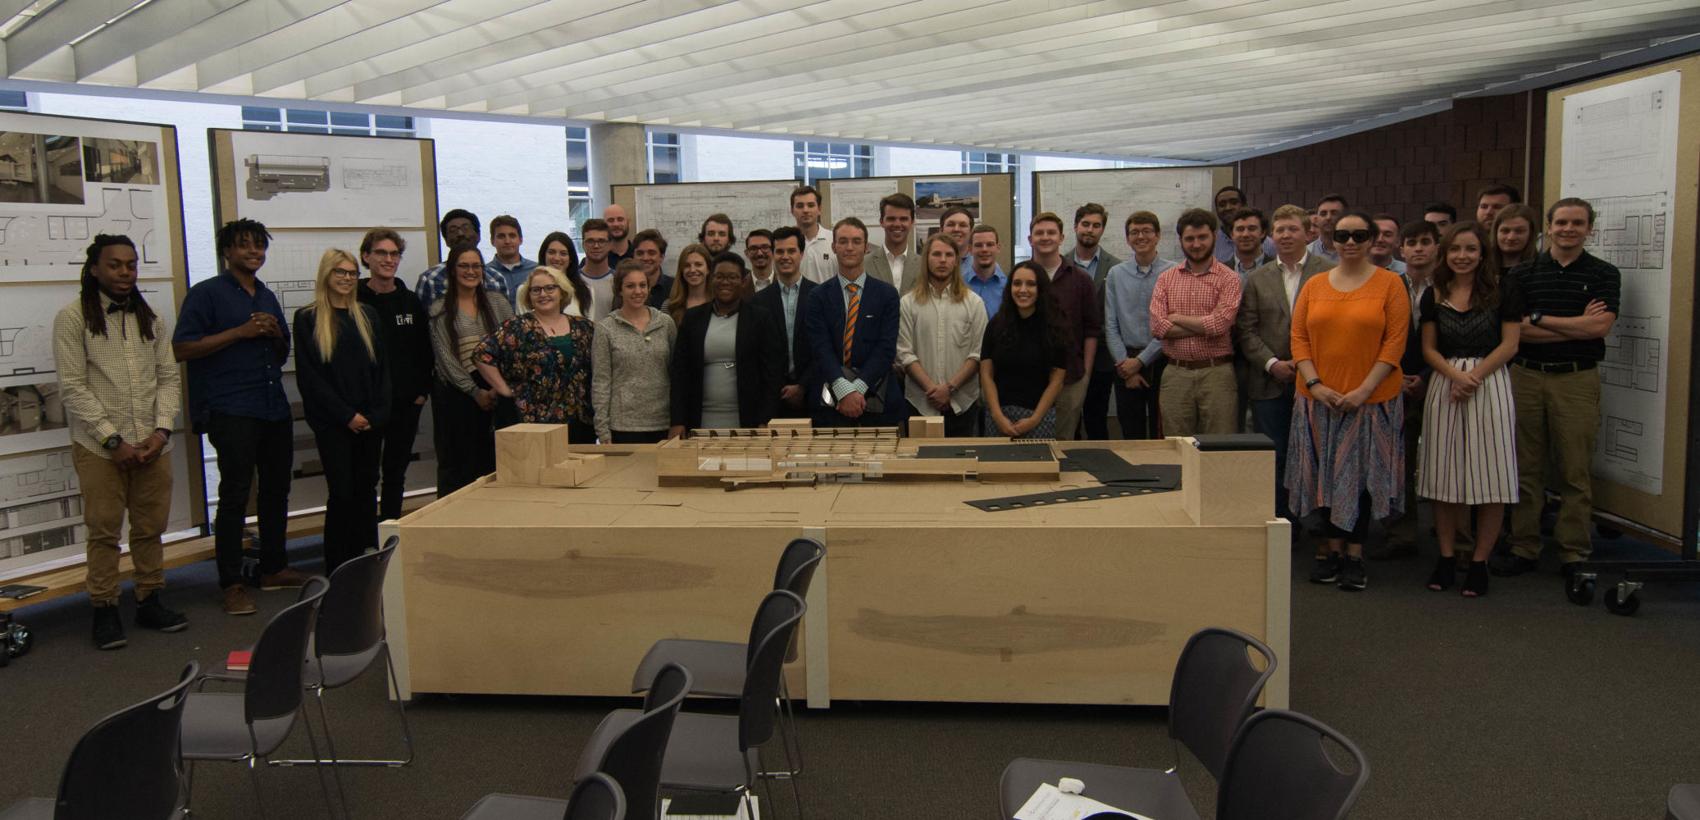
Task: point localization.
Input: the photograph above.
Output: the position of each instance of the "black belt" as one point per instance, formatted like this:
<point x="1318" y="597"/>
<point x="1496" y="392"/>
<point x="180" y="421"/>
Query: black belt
<point x="1553" y="367"/>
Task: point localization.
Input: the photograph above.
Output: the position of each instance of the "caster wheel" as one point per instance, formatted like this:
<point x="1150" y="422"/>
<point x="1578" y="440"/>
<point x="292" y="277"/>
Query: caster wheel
<point x="1580" y="591"/>
<point x="1625" y="605"/>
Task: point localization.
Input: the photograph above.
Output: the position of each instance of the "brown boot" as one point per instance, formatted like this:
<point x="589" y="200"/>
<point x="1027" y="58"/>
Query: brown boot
<point x="237" y="602"/>
<point x="285" y="578"/>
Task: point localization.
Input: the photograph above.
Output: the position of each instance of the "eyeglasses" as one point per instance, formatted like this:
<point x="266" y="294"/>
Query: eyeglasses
<point x="589" y="241"/>
<point x="1141" y="232"/>
<point x="545" y="289"/>
<point x="386" y="254"/>
<point x="1359" y="236"/>
<point x="345" y="272"/>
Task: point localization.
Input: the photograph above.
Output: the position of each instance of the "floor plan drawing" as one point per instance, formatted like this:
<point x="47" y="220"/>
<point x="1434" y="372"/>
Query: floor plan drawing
<point x="52" y="244"/>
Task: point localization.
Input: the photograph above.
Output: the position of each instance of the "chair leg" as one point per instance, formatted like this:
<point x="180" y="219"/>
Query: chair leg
<point x="313" y="743"/>
<point x="188" y="785"/>
<point x="787" y="734"/>
<point x="259" y="796"/>
<point x="393" y="685"/>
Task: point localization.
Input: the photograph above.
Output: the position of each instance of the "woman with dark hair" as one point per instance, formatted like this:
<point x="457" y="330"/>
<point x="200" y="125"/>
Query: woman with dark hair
<point x="541" y="358"/>
<point x="629" y="364"/>
<point x="690" y="287"/>
<point x="1023" y="357"/>
<point x="1514" y="237"/>
<point x="465" y="407"/>
<point x="1470" y="318"/>
<point x="730" y="358"/>
<point x="559" y="252"/>
<point x="1345" y="456"/>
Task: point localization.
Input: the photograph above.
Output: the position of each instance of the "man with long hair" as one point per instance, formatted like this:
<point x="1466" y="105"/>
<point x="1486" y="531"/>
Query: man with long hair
<point x="120" y="388"/>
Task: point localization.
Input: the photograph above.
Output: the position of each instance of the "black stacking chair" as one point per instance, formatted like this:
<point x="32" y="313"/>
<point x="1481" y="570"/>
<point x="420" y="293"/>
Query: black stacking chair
<point x="596" y="797"/>
<point x="246" y="727"/>
<point x="1683" y="802"/>
<point x="124" y="766"/>
<point x="1214" y="690"/>
<point x="1280" y="769"/>
<point x="722" y="753"/>
<point x="718" y="668"/>
<point x="629" y="745"/>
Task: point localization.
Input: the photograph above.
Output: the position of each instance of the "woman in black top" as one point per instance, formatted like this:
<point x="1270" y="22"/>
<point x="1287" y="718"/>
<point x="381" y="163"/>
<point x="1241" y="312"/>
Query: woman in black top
<point x="1022" y="357"/>
<point x="1470" y="318"/>
<point x="729" y="361"/>
<point x="559" y="252"/>
<point x="345" y="394"/>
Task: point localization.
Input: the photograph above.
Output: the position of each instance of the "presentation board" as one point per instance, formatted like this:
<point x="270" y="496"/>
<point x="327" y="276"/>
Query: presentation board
<point x="677" y="209"/>
<point x="1166" y="192"/>
<point x="1625" y="143"/>
<point x="990" y="196"/>
<point x="63" y="181"/>
<point x="319" y="191"/>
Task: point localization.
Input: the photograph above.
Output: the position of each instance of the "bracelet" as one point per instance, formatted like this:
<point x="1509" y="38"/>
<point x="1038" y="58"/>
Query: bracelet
<point x="1312" y="383"/>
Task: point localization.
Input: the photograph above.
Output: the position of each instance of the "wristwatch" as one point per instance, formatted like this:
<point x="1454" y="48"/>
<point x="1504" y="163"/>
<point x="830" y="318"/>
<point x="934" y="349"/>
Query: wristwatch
<point x="1535" y="317"/>
<point x="112" y="441"/>
<point x="1312" y="383"/>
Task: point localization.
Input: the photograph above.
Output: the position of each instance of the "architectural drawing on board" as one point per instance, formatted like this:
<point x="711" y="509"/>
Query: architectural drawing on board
<point x="273" y="174"/>
<point x="26" y="326"/>
<point x="363" y="173"/>
<point x="677" y="211"/>
<point x="53" y="243"/>
<point x="294" y="180"/>
<point x="1166" y="192"/>
<point x="40" y="506"/>
<point x="1619" y="152"/>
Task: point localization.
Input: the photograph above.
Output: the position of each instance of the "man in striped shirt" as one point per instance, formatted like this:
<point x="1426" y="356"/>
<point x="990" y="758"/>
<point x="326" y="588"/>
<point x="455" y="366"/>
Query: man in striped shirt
<point x="1192" y="310"/>
<point x="1572" y="299"/>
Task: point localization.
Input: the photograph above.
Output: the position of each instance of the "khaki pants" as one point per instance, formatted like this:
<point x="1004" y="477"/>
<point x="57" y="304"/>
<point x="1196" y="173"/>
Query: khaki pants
<point x="1558" y="420"/>
<point x="1069" y="404"/>
<point x="108" y="492"/>
<point x="1205" y="400"/>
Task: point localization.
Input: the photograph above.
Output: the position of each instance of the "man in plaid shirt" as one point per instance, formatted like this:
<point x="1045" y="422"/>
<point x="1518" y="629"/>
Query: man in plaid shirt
<point x="1193" y="307"/>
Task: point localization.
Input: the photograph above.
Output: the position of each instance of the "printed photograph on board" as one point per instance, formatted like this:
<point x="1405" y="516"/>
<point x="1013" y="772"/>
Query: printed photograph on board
<point x="130" y="162"/>
<point x="40" y="169"/>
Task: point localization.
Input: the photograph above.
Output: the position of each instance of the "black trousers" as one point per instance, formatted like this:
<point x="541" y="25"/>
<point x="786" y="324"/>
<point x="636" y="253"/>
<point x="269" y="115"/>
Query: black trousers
<point x="350" y="460"/>
<point x="396" y="442"/>
<point x="1098" y="390"/>
<point x="1137" y="409"/>
<point x="630" y="437"/>
<point x="464" y="436"/>
<point x="1360" y="528"/>
<point x="248" y="447"/>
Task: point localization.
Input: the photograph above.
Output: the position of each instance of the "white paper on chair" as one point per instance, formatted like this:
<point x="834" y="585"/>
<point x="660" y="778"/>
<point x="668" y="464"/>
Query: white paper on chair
<point x="753" y="807"/>
<point x="1048" y="803"/>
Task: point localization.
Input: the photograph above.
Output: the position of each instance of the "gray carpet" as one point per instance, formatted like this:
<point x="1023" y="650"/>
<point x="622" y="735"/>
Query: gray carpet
<point x="1518" y="705"/>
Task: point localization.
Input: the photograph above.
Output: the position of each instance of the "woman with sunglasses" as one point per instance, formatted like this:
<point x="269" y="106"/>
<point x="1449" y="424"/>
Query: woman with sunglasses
<point x="541" y="358"/>
<point x="1345" y="457"/>
<point x="1470" y="318"/>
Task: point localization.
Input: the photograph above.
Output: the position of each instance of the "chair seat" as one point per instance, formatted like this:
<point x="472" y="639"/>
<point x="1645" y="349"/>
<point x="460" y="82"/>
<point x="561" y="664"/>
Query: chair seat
<point x="717" y="667"/>
<point x="214" y="728"/>
<point x="702" y="753"/>
<point x="1151" y="792"/>
<point x="1683" y="803"/>
<point x="29" y="808"/>
<point x="516" y="807"/>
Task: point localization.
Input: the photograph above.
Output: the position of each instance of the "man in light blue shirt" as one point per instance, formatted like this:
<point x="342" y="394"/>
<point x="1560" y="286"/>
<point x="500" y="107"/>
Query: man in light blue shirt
<point x="1328" y="210"/>
<point x="1127" y="328"/>
<point x="981" y="271"/>
<point x="1386" y="240"/>
<point x="1229" y="200"/>
<point x="509" y="265"/>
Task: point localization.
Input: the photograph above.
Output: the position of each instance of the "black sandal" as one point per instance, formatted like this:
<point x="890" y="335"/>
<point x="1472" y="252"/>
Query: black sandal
<point x="1476" y="580"/>
<point x="1445" y="572"/>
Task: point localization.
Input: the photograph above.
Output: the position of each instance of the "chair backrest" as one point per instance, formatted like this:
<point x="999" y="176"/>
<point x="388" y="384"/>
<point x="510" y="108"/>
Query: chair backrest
<point x="274" y="672"/>
<point x="351" y="620"/>
<point x="776" y="621"/>
<point x="796" y="570"/>
<point x="1280" y="769"/>
<point x="597" y="797"/>
<point x="1214" y="689"/>
<point x="127" y="765"/>
<point x="634" y="758"/>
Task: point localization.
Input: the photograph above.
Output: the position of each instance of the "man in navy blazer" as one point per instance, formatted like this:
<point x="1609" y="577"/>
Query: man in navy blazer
<point x="785" y="300"/>
<point x="873" y="347"/>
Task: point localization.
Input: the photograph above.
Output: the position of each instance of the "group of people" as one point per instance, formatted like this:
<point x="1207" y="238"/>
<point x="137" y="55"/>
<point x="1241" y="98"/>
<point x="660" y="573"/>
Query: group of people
<point x="1302" y="325"/>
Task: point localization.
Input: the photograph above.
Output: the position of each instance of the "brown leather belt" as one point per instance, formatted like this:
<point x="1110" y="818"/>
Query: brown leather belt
<point x="1200" y="364"/>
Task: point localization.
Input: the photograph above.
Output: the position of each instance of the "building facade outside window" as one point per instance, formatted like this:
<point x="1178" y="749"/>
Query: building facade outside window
<point x="666" y="161"/>
<point x="815" y="161"/>
<point x="578" y="178"/>
<point x="981" y="162"/>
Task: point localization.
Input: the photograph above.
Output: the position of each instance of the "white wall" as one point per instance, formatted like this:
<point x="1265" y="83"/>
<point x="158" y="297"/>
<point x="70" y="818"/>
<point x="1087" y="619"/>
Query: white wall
<point x="718" y="158"/>
<point x="192" y="120"/>
<point x="493" y="168"/>
<point x="904" y="162"/>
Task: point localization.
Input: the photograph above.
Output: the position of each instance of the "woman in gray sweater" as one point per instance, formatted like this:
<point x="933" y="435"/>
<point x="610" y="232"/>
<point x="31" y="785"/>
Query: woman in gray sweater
<point x="630" y="354"/>
<point x="463" y="408"/>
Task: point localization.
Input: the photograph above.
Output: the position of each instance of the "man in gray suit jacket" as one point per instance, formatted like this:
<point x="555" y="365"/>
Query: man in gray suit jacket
<point x="896" y="263"/>
<point x="1264" y="332"/>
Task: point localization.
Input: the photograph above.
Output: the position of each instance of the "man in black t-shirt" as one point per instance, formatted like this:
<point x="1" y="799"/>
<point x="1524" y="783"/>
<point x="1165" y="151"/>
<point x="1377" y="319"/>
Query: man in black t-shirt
<point x="1572" y="299"/>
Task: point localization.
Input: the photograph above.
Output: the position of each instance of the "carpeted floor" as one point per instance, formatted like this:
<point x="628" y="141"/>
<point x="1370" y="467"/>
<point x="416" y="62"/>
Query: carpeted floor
<point x="1519" y="705"/>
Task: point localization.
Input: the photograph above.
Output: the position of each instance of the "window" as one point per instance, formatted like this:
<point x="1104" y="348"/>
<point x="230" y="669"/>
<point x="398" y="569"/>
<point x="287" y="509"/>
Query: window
<point x="664" y="158"/>
<point x="14" y="101"/>
<point x="816" y="161"/>
<point x="578" y="178"/>
<point x="980" y="162"/>
<point x="308" y="121"/>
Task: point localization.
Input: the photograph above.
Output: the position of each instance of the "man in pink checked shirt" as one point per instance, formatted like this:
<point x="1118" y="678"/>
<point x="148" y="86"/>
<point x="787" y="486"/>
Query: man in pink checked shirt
<point x="1192" y="310"/>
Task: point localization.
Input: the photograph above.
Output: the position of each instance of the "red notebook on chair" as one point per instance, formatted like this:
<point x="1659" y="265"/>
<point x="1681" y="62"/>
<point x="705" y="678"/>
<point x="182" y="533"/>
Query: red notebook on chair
<point x="238" y="660"/>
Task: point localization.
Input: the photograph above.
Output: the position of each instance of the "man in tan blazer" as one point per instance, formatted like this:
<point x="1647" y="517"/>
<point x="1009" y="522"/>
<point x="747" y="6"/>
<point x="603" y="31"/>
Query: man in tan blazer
<point x="896" y="263"/>
<point x="1263" y="330"/>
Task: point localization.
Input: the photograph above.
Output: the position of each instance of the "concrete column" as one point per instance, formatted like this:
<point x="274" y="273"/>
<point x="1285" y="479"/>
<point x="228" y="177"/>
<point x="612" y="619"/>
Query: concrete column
<point x="619" y="155"/>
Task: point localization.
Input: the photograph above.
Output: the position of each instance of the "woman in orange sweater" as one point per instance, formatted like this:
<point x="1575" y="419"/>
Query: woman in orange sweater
<point x="1345" y="456"/>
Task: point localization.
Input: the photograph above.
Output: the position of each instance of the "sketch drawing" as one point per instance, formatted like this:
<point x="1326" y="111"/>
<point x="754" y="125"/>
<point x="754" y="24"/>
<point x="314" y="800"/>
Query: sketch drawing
<point x="1166" y="192"/>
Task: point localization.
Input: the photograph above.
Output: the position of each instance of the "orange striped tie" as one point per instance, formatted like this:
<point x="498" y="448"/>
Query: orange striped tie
<point x="851" y="311"/>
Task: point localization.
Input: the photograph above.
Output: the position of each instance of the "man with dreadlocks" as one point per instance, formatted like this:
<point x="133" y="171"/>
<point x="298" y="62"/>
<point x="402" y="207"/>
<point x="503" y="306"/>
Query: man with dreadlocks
<point x="232" y="333"/>
<point x="120" y="387"/>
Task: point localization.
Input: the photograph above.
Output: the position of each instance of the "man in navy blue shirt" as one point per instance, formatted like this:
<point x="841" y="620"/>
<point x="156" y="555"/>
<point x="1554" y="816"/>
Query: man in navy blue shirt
<point x="232" y="333"/>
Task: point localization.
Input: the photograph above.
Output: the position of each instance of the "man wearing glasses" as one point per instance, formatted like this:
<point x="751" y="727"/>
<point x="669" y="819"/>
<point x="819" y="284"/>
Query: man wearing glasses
<point x="407" y="350"/>
<point x="1127" y="328"/>
<point x="598" y="270"/>
<point x="459" y="226"/>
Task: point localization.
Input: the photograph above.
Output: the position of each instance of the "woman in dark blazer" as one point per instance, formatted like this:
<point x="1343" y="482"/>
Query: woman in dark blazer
<point x="729" y="360"/>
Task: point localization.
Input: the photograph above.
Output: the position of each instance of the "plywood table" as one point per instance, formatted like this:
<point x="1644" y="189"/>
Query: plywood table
<point x="560" y="591"/>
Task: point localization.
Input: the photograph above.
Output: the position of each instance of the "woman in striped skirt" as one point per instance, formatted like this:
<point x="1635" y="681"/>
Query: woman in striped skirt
<point x="1469" y="319"/>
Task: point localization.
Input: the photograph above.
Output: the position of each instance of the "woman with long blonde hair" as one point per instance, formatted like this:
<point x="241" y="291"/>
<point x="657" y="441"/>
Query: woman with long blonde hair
<point x="345" y="394"/>
<point x="690" y="287"/>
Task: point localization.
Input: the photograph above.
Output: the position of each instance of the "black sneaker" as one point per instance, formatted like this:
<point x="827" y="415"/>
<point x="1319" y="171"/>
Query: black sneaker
<point x="1511" y="565"/>
<point x="152" y="614"/>
<point x="108" y="628"/>
<point x="1353" y="578"/>
<point x="1326" y="570"/>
